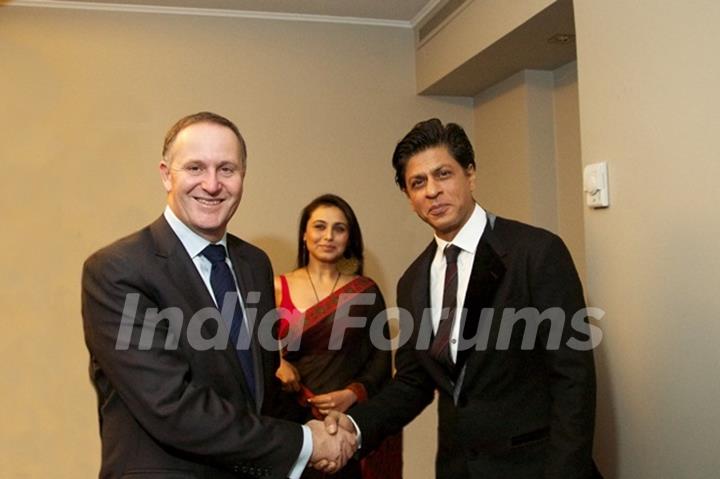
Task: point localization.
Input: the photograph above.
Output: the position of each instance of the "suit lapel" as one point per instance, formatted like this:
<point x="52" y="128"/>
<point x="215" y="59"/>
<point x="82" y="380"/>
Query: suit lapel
<point x="180" y="268"/>
<point x="420" y="297"/>
<point x="487" y="273"/>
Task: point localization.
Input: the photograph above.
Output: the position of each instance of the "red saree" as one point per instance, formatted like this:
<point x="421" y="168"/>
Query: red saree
<point x="327" y="364"/>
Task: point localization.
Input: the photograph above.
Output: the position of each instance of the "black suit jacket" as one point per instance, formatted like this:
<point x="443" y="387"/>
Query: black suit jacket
<point x="509" y="411"/>
<point x="169" y="406"/>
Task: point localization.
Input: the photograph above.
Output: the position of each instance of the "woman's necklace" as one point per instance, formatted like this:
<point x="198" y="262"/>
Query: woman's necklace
<point x="313" y="284"/>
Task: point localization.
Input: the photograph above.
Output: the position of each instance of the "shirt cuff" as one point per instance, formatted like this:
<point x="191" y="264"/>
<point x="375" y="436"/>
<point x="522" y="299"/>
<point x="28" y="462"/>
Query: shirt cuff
<point x="305" y="454"/>
<point x="357" y="430"/>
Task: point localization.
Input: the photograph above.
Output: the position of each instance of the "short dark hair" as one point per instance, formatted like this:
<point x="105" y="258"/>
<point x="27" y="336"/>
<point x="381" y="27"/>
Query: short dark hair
<point x="354" y="248"/>
<point x="203" y="117"/>
<point x="429" y="134"/>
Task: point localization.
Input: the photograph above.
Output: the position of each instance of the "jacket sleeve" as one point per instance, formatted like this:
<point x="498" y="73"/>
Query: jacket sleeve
<point x="401" y="400"/>
<point x="378" y="368"/>
<point x="554" y="283"/>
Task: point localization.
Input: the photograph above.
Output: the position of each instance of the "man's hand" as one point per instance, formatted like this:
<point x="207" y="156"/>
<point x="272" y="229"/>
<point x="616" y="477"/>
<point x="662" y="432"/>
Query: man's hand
<point x="331" y="451"/>
<point x="336" y="420"/>
<point x="335" y="423"/>
<point x="339" y="400"/>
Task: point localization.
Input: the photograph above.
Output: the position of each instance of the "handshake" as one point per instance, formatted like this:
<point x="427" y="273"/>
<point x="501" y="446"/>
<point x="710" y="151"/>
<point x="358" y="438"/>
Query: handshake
<point x="334" y="442"/>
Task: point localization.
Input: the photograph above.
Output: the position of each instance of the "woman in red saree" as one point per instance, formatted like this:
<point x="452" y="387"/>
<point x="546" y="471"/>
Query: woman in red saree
<point x="324" y="290"/>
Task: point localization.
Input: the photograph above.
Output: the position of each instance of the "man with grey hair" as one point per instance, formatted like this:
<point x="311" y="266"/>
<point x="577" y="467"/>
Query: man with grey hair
<point x="171" y="403"/>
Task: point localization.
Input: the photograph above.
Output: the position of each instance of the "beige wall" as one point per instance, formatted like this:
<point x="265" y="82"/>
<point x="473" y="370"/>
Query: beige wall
<point x="85" y="98"/>
<point x="650" y="107"/>
<point x="480" y="24"/>
<point x="568" y="179"/>
<point x="502" y="149"/>
<point x="528" y="158"/>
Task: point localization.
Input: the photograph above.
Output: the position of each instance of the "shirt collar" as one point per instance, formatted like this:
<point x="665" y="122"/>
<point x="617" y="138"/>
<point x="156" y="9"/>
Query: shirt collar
<point x="191" y="241"/>
<point x="469" y="235"/>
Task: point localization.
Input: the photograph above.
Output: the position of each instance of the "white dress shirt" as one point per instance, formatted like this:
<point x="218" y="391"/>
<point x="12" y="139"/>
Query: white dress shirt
<point x="194" y="244"/>
<point x="467" y="240"/>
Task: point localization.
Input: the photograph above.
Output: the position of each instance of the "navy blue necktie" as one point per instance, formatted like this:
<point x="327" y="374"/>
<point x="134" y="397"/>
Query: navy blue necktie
<point x="440" y="347"/>
<point x="222" y="283"/>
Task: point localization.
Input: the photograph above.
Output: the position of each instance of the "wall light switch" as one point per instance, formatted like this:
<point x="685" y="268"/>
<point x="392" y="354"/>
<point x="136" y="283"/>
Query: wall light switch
<point x="595" y="184"/>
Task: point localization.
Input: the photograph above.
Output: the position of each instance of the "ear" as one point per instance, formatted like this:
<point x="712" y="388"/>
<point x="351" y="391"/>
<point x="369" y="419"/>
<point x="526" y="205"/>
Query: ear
<point x="165" y="175"/>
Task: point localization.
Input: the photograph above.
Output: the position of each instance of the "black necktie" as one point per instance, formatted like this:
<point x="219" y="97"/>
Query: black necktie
<point x="440" y="347"/>
<point x="222" y="282"/>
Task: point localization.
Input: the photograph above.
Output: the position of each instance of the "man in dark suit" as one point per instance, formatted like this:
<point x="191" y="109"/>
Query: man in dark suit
<point x="492" y="307"/>
<point x="181" y="378"/>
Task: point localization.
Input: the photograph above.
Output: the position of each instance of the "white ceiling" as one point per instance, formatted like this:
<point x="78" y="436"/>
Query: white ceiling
<point x="398" y="10"/>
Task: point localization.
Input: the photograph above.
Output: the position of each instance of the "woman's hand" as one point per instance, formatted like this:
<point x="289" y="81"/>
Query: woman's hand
<point x="339" y="400"/>
<point x="288" y="376"/>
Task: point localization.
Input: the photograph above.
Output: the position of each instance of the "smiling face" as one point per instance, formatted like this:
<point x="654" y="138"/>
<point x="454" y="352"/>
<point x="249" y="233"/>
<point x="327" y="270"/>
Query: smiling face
<point x="326" y="234"/>
<point x="203" y="176"/>
<point x="440" y="190"/>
